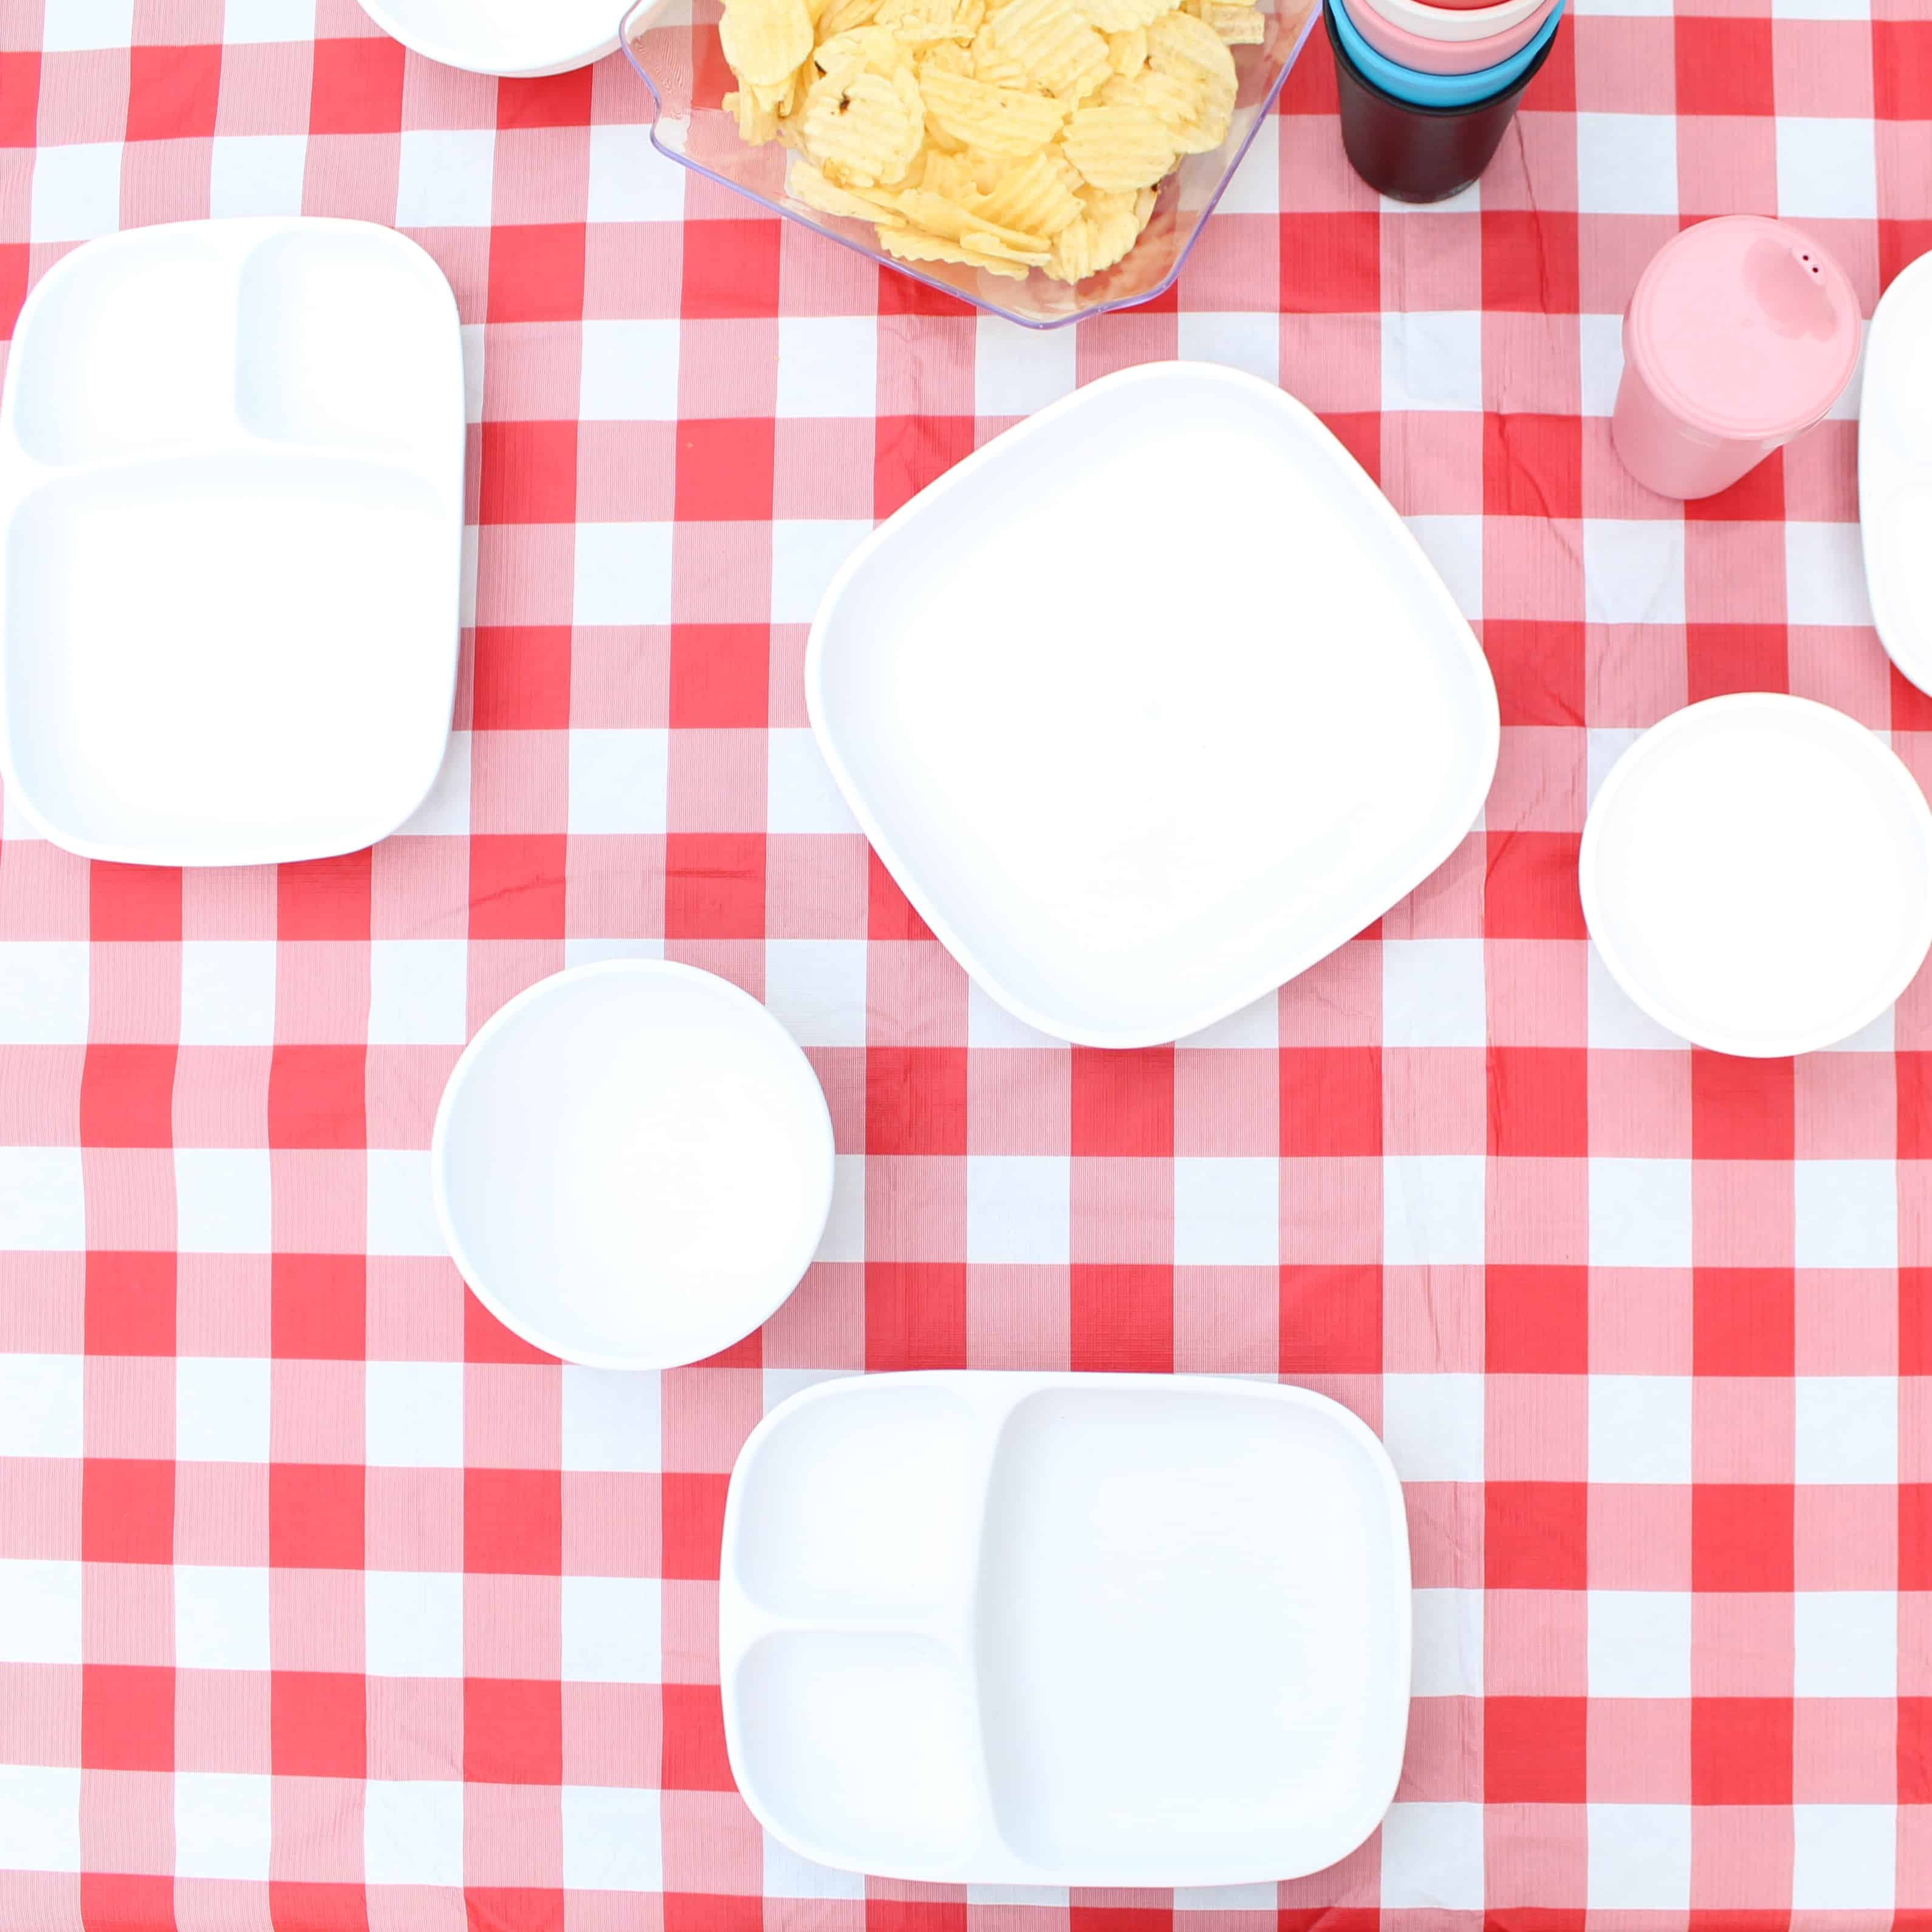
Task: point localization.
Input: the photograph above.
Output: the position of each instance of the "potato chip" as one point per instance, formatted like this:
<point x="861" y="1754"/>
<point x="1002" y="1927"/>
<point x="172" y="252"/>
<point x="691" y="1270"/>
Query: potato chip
<point x="766" y="40"/>
<point x="997" y="120"/>
<point x="949" y="176"/>
<point x="945" y="57"/>
<point x="1126" y="53"/>
<point x="909" y="245"/>
<point x="1119" y="147"/>
<point x="1120" y="16"/>
<point x="1234" y="26"/>
<point x="995" y="66"/>
<point x="840" y="17"/>
<point x="809" y="185"/>
<point x="919" y="23"/>
<point x="757" y="124"/>
<point x="1186" y="49"/>
<point x="1055" y="46"/>
<point x="864" y="132"/>
<point x="957" y="221"/>
<point x="1037" y="197"/>
<point x="870" y="49"/>
<point x="1173" y="101"/>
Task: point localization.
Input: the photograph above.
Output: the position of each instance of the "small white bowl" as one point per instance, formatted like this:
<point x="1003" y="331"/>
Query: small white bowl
<point x="1756" y="872"/>
<point x="1454" y="23"/>
<point x="632" y="1164"/>
<point x="516" y="40"/>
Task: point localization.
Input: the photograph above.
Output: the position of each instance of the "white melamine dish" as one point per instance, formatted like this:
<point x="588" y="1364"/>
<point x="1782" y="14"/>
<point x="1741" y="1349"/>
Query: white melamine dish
<point x="1895" y="470"/>
<point x="231" y="541"/>
<point x="1151" y="703"/>
<point x="632" y="1164"/>
<point x="1756" y="872"/>
<point x="1092" y="1629"/>
<point x="517" y="40"/>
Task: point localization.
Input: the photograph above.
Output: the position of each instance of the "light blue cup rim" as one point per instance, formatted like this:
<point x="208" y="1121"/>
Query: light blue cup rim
<point x="1439" y="90"/>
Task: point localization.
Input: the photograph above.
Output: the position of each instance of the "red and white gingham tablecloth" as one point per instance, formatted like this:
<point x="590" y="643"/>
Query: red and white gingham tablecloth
<point x="326" y="1604"/>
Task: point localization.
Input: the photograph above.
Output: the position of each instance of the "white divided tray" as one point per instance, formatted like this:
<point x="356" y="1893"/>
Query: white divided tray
<point x="231" y="537"/>
<point x="1065" y="1630"/>
<point x="1895" y="470"/>
<point x="1151" y="703"/>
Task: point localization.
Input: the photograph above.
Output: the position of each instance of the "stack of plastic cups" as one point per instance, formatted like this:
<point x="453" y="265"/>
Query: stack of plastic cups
<point x="1428" y="87"/>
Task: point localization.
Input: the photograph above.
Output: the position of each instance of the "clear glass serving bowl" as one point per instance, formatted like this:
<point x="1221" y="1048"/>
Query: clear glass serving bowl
<point x="673" y="45"/>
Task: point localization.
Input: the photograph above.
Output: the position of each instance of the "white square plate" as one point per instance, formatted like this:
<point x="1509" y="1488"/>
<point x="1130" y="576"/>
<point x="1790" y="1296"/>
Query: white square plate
<point x="1151" y="703"/>
<point x="231" y="538"/>
<point x="1065" y="1629"/>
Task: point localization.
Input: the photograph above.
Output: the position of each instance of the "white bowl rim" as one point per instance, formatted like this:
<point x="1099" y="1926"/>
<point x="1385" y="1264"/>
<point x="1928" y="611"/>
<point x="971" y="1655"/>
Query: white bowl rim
<point x="1455" y="23"/>
<point x="1690" y="717"/>
<point x="569" y="56"/>
<point x="506" y="1016"/>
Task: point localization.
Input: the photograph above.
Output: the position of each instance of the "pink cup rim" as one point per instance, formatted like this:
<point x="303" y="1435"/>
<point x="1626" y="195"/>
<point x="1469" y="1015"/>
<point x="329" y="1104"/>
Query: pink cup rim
<point x="1427" y="56"/>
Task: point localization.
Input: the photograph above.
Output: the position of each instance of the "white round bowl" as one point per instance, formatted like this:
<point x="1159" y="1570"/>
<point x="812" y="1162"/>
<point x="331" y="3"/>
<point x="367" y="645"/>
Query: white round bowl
<point x="1756" y="872"/>
<point x="516" y="40"/>
<point x="632" y="1164"/>
<point x="1454" y="23"/>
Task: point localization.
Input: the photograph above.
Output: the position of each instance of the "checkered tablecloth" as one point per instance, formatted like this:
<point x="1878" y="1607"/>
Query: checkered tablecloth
<point x="326" y="1604"/>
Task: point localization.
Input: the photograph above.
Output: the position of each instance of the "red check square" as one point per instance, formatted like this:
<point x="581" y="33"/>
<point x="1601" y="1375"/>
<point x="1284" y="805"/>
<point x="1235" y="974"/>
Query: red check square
<point x="1539" y="1101"/>
<point x="516" y="885"/>
<point x="173" y="92"/>
<point x="721" y="676"/>
<point x="1914" y="1751"/>
<point x="127" y="1096"/>
<point x="694" y="1758"/>
<point x="1123" y="1103"/>
<point x="134" y="901"/>
<point x="327" y="899"/>
<point x="1724" y="66"/>
<point x="1331" y="1101"/>
<point x="1535" y="1535"/>
<point x="553" y="100"/>
<point x="694" y="1523"/>
<point x="19" y="104"/>
<point x="714" y="885"/>
<point x="1901" y="70"/>
<point x="318" y="1307"/>
<point x="1530" y="259"/>
<point x="1122" y="1317"/>
<point x="522" y="678"/>
<point x="909" y="452"/>
<point x="127" y="1717"/>
<point x="1741" y="1109"/>
<point x="1331" y="264"/>
<point x="888" y="912"/>
<point x="1741" y="1750"/>
<point x="1530" y="891"/>
<point x="529" y="473"/>
<point x="315" y="1097"/>
<point x="1726" y="658"/>
<point x="1535" y="1749"/>
<point x="1330" y="1319"/>
<point x="1538" y="669"/>
<point x="356" y="86"/>
<point x="130" y="1308"/>
<point x="1532" y="465"/>
<point x="318" y="1724"/>
<point x="1536" y="1320"/>
<point x="315" y="1516"/>
<point x="126" y="1510"/>
<point x="725" y="470"/>
<point x="915" y="1314"/>
<point x="512" y="1730"/>
<point x="1741" y="1537"/>
<point x="1743" y="1321"/>
<point x="916" y="1100"/>
<point x="730" y="270"/>
<point x="314" y="1905"/>
<point x="536" y="272"/>
<point x="513" y="1522"/>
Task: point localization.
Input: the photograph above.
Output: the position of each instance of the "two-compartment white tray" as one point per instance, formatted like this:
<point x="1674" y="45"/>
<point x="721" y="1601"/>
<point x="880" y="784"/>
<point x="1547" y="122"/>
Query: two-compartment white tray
<point x="1096" y="1630"/>
<point x="1151" y="703"/>
<point x="1895" y="470"/>
<point x="231" y="541"/>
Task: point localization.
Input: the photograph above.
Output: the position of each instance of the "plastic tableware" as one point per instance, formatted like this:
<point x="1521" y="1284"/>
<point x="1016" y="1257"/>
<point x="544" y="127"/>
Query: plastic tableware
<point x="1134" y="771"/>
<point x="1756" y="872"/>
<point x="1741" y="334"/>
<point x="516" y="39"/>
<point x="1428" y="21"/>
<point x="671" y="49"/>
<point x="1895" y="470"/>
<point x="632" y="1164"/>
<point x="1420" y="153"/>
<point x="231" y="505"/>
<point x="1453" y="90"/>
<point x="1428" y="56"/>
<point x="1094" y="1630"/>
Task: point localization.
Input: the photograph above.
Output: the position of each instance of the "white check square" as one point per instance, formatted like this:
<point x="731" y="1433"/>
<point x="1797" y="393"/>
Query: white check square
<point x="1639" y="1212"/>
<point x="222" y="1200"/>
<point x="630" y="371"/>
<point x="1454" y="545"/>
<point x="1825" y="575"/>
<point x="1432" y="1210"/>
<point x="228" y="992"/>
<point x="613" y="1419"/>
<point x="1847" y="1429"/>
<point x="256" y="174"/>
<point x="43" y="992"/>
<point x="221" y="1409"/>
<point x="412" y="1622"/>
<point x="259" y="20"/>
<point x="1019" y="370"/>
<point x="1432" y="1426"/>
<point x="1827" y="167"/>
<point x="1432" y="359"/>
<point x="79" y="26"/>
<point x="1448" y="1642"/>
<point x="40" y="1818"/>
<point x="1640" y="1429"/>
<point x="412" y="1415"/>
<point x="1847" y="1214"/>
<point x="1639" y="1643"/>
<point x="1227" y="1212"/>
<point x="77" y="191"/>
<point x="611" y="1839"/>
<point x="815" y="988"/>
<point x="1019" y="1207"/>
<point x="446" y="178"/>
<point x="1844" y="1857"/>
<point x="43" y="1205"/>
<point x="1626" y="164"/>
<point x="1432" y="1857"/>
<point x="412" y="1832"/>
<point x="620" y="780"/>
<point x="623" y="574"/>
<point x="630" y="181"/>
<point x="418" y="992"/>
<point x="1432" y="993"/>
<point x="1632" y="571"/>
<point x="400" y="1206"/>
<point x="39" y="1611"/>
<point x="1640" y="1858"/>
<point x="221" y="1617"/>
<point x="805" y="557"/>
<point x="221" y="1824"/>
<point x="40" y="1405"/>
<point x="788" y="1876"/>
<point x="828" y="366"/>
<point x="613" y="1630"/>
<point x="801" y="795"/>
<point x="1845" y="1643"/>
<point x="1615" y="1020"/>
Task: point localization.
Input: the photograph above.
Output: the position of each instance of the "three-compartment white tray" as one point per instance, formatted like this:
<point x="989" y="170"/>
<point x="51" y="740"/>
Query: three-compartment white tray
<point x="1151" y="703"/>
<point x="231" y="541"/>
<point x="1895" y="470"/>
<point x="1095" y="1629"/>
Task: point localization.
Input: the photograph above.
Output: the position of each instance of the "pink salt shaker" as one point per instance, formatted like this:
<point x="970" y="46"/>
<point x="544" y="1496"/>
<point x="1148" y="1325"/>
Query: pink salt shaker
<point x="1742" y="334"/>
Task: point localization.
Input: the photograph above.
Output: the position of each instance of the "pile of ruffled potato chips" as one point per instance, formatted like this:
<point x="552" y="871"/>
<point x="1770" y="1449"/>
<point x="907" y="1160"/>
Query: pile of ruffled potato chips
<point x="1020" y="135"/>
